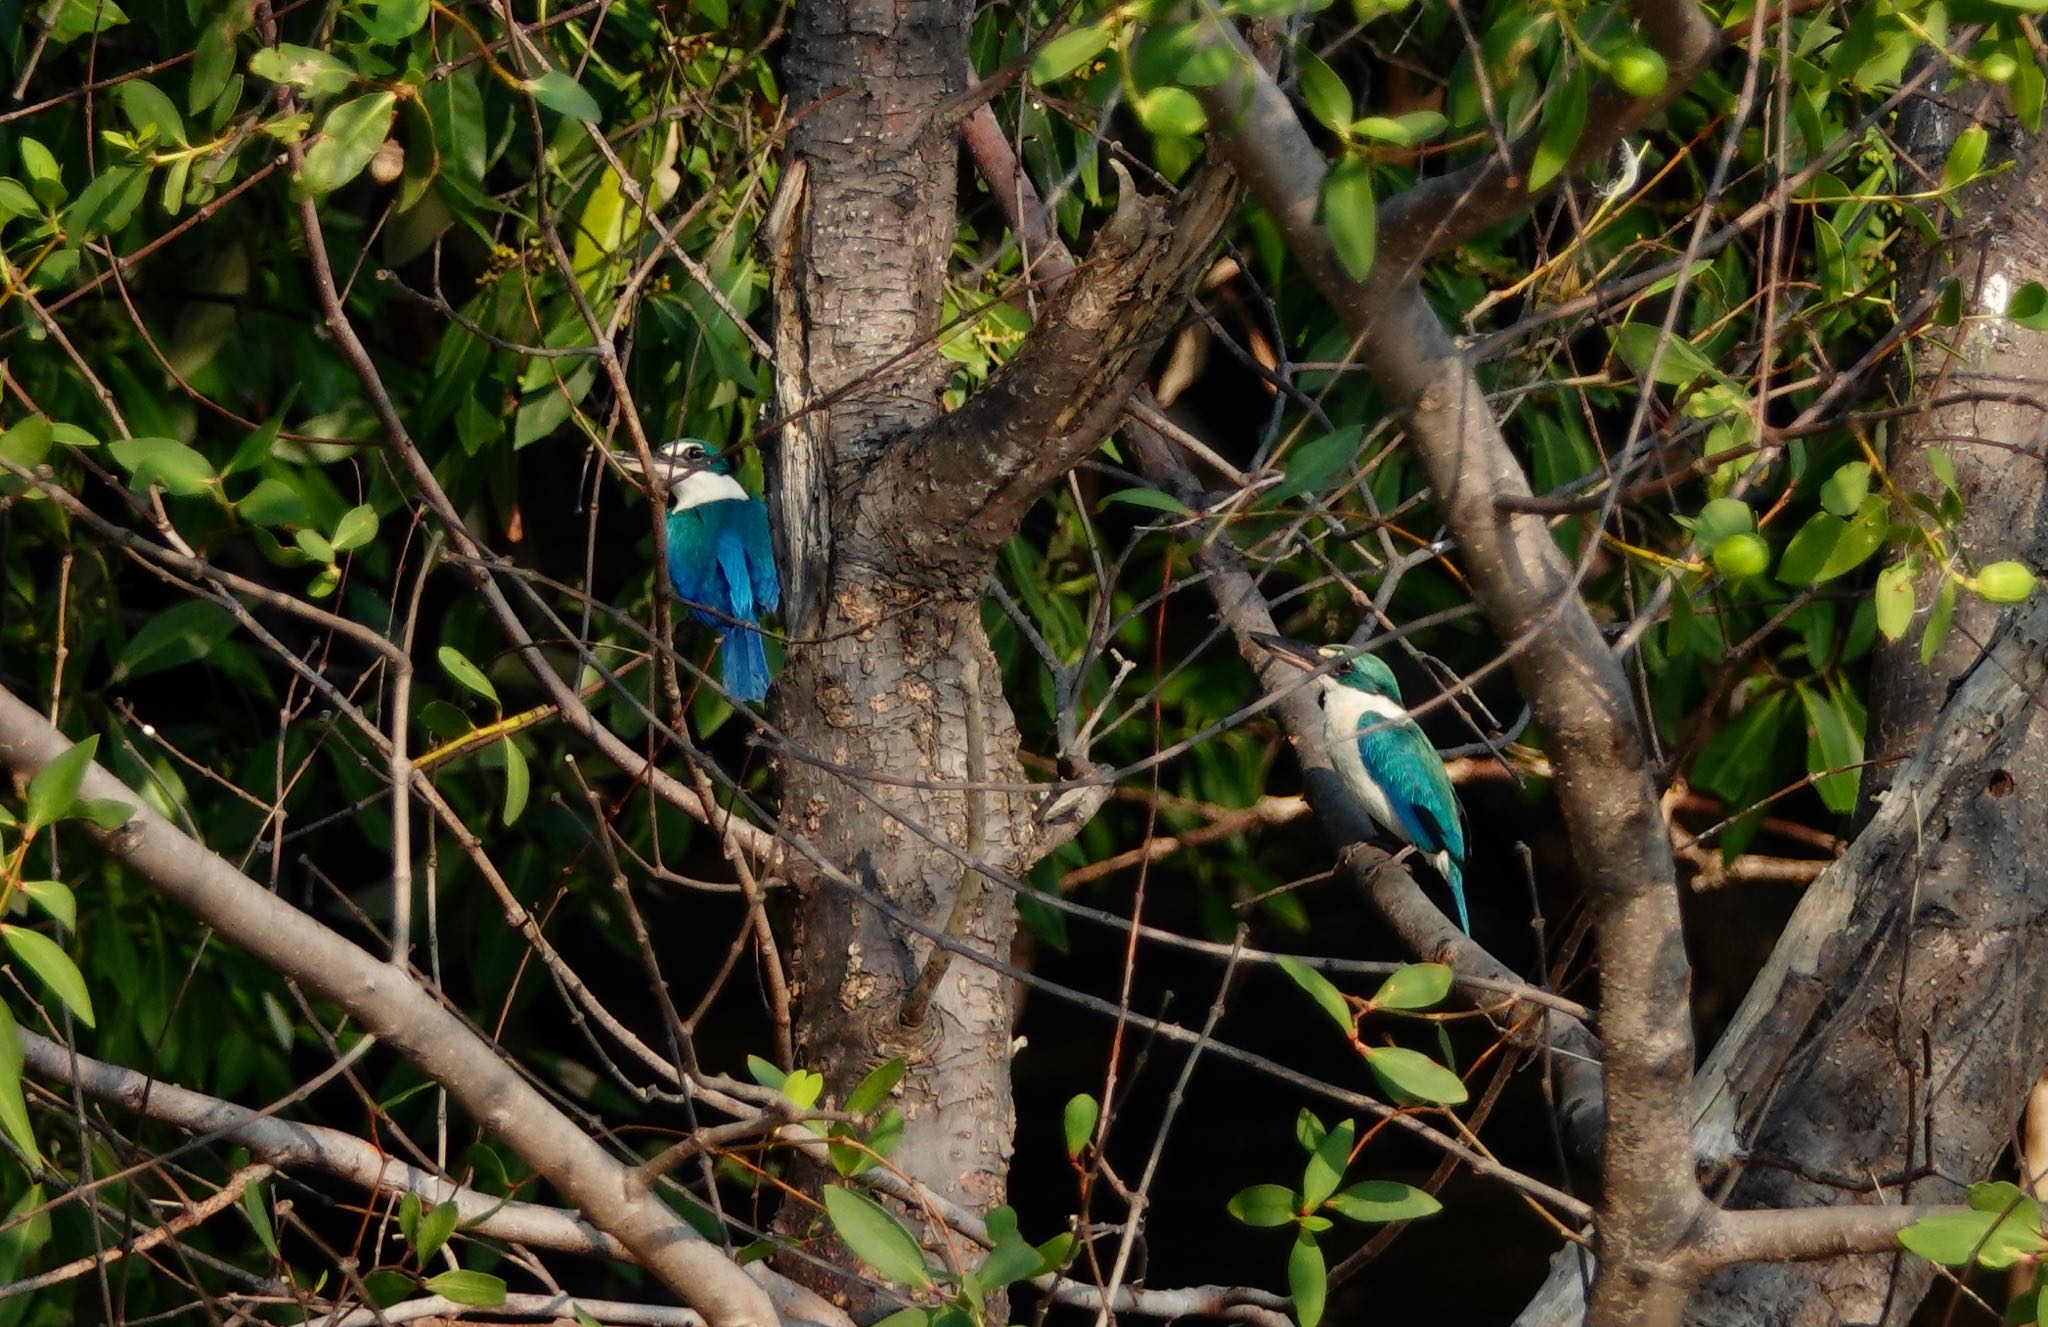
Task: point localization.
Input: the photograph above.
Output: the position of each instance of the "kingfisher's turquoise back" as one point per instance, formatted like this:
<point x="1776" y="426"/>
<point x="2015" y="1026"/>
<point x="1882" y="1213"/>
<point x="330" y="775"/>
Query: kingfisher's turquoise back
<point x="721" y="562"/>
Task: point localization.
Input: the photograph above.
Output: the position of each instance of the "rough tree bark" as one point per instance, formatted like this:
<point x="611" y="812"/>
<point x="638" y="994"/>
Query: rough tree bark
<point x="1915" y="1025"/>
<point x="889" y="515"/>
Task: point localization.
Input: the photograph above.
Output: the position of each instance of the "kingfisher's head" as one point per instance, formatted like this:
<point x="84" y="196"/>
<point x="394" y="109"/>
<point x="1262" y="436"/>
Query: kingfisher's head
<point x="1361" y="672"/>
<point x="679" y="460"/>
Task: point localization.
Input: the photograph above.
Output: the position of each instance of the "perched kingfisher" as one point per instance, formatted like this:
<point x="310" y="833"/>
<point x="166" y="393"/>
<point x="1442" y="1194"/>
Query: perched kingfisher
<point x="720" y="559"/>
<point x="1390" y="769"/>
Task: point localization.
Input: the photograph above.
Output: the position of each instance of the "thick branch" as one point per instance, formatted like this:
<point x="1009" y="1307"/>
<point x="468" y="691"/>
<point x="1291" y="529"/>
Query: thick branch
<point x="971" y="475"/>
<point x="403" y="1014"/>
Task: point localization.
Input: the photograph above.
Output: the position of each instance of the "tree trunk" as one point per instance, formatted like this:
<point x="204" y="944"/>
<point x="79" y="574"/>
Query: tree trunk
<point x="1904" y="1054"/>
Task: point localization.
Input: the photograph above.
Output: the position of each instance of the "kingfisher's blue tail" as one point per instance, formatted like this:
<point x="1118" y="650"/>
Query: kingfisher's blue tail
<point x="745" y="663"/>
<point x="1455" y="878"/>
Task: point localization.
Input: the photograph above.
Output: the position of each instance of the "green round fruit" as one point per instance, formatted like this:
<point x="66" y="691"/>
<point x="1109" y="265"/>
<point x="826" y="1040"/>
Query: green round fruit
<point x="1741" y="556"/>
<point x="1638" y="71"/>
<point x="2005" y="582"/>
<point x="1998" y="67"/>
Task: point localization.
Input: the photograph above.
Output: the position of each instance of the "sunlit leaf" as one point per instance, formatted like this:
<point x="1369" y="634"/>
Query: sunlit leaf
<point x="1349" y="214"/>
<point x="479" y="1290"/>
<point x="466" y="674"/>
<point x="1327" y="997"/>
<point x="54" y="789"/>
<point x="1069" y="51"/>
<point x="1378" y="1201"/>
<point x="1077" y="1121"/>
<point x="1413" y="1075"/>
<point x="561" y="93"/>
<point x="1265" y="1205"/>
<point x="1416" y="986"/>
<point x="1307" y="1280"/>
<point x="876" y="1237"/>
<point x="53" y="967"/>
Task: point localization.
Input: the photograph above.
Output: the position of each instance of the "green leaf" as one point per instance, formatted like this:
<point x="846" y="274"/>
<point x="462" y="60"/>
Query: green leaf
<point x="178" y="635"/>
<point x="1266" y="1205"/>
<point x="302" y="67"/>
<point x="1149" y="498"/>
<point x="907" y="1318"/>
<point x="42" y="956"/>
<point x="874" y="1089"/>
<point x="55" y="898"/>
<point x="213" y="64"/>
<point x="349" y="138"/>
<point x="1810" y="549"/>
<point x="1411" y="1074"/>
<point x="54" y="789"/>
<point x="71" y="19"/>
<point x="357" y="527"/>
<point x="1562" y="122"/>
<point x="315" y="546"/>
<point x="1416" y="986"/>
<point x="561" y="93"/>
<point x="1307" y="1280"/>
<point x="29" y="442"/>
<point x="45" y="177"/>
<point x="393" y="20"/>
<point x="147" y="108"/>
<point x="2029" y="307"/>
<point x="1010" y="1261"/>
<point x="803" y="1087"/>
<point x="433" y="1230"/>
<point x="1965" y="157"/>
<point x="1171" y="110"/>
<point x="273" y="502"/>
<point x="105" y="204"/>
<point x="13" y="1104"/>
<point x="479" y="1290"/>
<point x="256" y="448"/>
<point x="1405" y="130"/>
<point x="1325" y="94"/>
<point x="1894" y="600"/>
<point x="1938" y="620"/>
<point x="518" y="781"/>
<point x="166" y="463"/>
<point x="1308" y="1130"/>
<point x="766" y="1074"/>
<point x="410" y="1208"/>
<point x="1943" y="467"/>
<point x="1327" y="1164"/>
<point x="1990" y="1239"/>
<point x="467" y="674"/>
<point x="1319" y="989"/>
<point x="1380" y="1201"/>
<point x="876" y="1237"/>
<point x="258" y="1213"/>
<point x="1348" y="213"/>
<point x="1845" y="489"/>
<point x="1860" y="538"/>
<point x="1834" y="742"/>
<point x="1678" y="363"/>
<point x="1069" y="51"/>
<point x="1078" y="1121"/>
<point x="105" y="813"/>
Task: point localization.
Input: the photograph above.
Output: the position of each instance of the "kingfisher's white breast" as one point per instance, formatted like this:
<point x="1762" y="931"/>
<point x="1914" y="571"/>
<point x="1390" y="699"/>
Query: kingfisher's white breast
<point x="702" y="486"/>
<point x="1345" y="712"/>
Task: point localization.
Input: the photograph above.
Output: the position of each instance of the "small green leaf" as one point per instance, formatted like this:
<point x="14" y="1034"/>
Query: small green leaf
<point x="1894" y="600"/>
<point x="561" y="93"/>
<point x="148" y="108"/>
<point x="1957" y="1239"/>
<point x="1810" y="549"/>
<point x="394" y="20"/>
<point x="45" y="177"/>
<point x="1834" y="749"/>
<point x="165" y="462"/>
<point x="258" y="1213"/>
<point x="1562" y="122"/>
<point x="876" y="1237"/>
<point x="1266" y="1205"/>
<point x="803" y="1087"/>
<point x="1943" y="467"/>
<point x="1010" y="1261"/>
<point x="1413" y="1075"/>
<point x="434" y="1229"/>
<point x="105" y="204"/>
<point x="42" y="956"/>
<point x="1069" y="51"/>
<point x="179" y="635"/>
<point x="479" y="1290"/>
<point x="1171" y="110"/>
<point x="1380" y="1201"/>
<point x="1965" y="157"/>
<point x="1325" y="94"/>
<point x="1405" y="130"/>
<point x="518" y="782"/>
<point x="409" y="1209"/>
<point x="1308" y="1130"/>
<point x="1319" y="989"/>
<point x="349" y="137"/>
<point x="1349" y="214"/>
<point x="1860" y="538"/>
<point x="357" y="527"/>
<point x="1938" y="620"/>
<point x="314" y="545"/>
<point x="1307" y="1280"/>
<point x="302" y="67"/>
<point x="907" y="1318"/>
<point x="13" y="1104"/>
<point x="273" y="502"/>
<point x="256" y="448"/>
<point x="2028" y="306"/>
<point x="874" y="1089"/>
<point x="105" y="813"/>
<point x="1416" y="986"/>
<point x="54" y="789"/>
<point x="1149" y="498"/>
<point x="766" y="1074"/>
<point x="1846" y="488"/>
<point x="1326" y="1166"/>
<point x="467" y="674"/>
<point x="1078" y="1121"/>
<point x="55" y="898"/>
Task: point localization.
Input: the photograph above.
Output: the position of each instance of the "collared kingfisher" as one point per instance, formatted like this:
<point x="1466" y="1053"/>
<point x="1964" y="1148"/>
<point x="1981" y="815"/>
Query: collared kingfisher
<point x="721" y="561"/>
<point x="1385" y="763"/>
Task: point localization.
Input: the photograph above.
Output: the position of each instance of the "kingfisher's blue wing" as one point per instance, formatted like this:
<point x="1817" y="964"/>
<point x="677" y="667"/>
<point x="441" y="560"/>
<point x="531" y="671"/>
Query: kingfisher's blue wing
<point x="1401" y="760"/>
<point x="752" y="525"/>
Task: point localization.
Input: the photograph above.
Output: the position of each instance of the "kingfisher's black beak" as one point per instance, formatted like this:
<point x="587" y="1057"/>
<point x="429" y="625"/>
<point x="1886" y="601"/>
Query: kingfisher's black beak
<point x="1299" y="653"/>
<point x="666" y="468"/>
